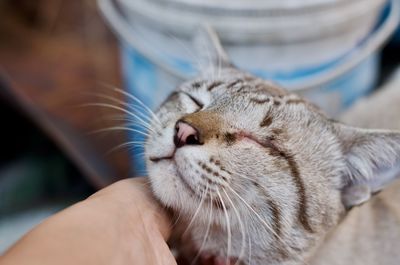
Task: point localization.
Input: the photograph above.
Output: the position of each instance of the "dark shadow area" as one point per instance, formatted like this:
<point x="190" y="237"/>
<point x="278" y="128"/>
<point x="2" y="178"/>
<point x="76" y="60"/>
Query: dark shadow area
<point x="390" y="60"/>
<point x="33" y="171"/>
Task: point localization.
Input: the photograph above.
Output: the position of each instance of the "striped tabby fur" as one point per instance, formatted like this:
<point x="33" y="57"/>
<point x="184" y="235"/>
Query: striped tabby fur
<point x="270" y="177"/>
<point x="370" y="234"/>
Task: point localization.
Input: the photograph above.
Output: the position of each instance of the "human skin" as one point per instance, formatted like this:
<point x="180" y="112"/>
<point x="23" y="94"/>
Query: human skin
<point x="121" y="224"/>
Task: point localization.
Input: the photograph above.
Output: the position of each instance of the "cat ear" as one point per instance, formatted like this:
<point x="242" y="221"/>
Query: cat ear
<point x="373" y="161"/>
<point x="211" y="54"/>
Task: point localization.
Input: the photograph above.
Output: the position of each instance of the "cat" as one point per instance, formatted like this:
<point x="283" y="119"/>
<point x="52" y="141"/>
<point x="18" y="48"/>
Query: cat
<point x="259" y="175"/>
<point x="370" y="234"/>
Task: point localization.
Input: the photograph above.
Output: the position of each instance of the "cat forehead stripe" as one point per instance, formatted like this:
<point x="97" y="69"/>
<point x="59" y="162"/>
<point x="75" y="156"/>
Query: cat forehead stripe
<point x="198" y="84"/>
<point x="234" y="83"/>
<point x="260" y="101"/>
<point x="214" y="85"/>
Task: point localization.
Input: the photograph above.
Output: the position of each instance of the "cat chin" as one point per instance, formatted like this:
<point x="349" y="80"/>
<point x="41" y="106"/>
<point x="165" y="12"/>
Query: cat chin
<point x="169" y="188"/>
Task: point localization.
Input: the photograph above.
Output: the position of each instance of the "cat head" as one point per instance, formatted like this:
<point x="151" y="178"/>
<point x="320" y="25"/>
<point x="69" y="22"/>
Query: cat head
<point x="231" y="149"/>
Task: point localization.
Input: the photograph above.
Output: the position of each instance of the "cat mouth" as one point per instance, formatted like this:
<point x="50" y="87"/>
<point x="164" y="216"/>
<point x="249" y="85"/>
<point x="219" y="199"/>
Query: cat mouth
<point x="171" y="158"/>
<point x="156" y="159"/>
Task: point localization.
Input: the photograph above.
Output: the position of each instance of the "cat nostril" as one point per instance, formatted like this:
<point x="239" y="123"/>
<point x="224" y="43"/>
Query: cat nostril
<point x="185" y="134"/>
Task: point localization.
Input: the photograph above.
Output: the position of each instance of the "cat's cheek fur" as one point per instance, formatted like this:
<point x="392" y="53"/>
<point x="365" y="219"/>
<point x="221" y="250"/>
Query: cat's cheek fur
<point x="189" y="161"/>
<point x="160" y="145"/>
<point x="170" y="188"/>
<point x="164" y="182"/>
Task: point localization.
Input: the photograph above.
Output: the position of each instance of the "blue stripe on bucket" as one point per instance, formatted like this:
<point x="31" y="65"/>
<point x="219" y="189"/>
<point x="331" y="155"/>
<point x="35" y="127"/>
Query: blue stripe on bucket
<point x="182" y="66"/>
<point x="139" y="76"/>
<point x="139" y="72"/>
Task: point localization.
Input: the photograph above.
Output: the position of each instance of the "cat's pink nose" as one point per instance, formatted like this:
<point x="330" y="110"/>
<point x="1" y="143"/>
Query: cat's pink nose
<point x="185" y="134"/>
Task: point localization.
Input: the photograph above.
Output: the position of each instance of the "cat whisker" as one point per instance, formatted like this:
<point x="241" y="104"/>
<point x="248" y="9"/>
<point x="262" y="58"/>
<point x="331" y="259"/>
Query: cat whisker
<point x="119" y="128"/>
<point x="188" y="52"/>
<point x="140" y="153"/>
<point x="144" y="119"/>
<point x="126" y="144"/>
<point x="132" y="97"/>
<point x="254" y="212"/>
<point x="128" y="121"/>
<point x="266" y="225"/>
<point x="240" y="175"/>
<point x="219" y="66"/>
<point x="135" y="122"/>
<point x="203" y="196"/>
<point x="205" y="238"/>
<point x="284" y="220"/>
<point x="243" y="243"/>
<point x="209" y="58"/>
<point x="142" y="172"/>
<point x="228" y="227"/>
<point x="142" y="112"/>
<point x="176" y="218"/>
<point x="124" y="118"/>
<point x="249" y="246"/>
<point x="106" y="105"/>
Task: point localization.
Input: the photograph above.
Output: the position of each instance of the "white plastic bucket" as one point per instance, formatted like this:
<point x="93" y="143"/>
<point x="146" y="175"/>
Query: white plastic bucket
<point x="270" y="35"/>
<point x="324" y="49"/>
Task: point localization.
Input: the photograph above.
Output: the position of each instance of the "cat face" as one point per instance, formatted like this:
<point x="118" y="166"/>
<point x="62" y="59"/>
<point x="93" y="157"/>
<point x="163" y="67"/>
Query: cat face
<point x="250" y="147"/>
<point x="258" y="172"/>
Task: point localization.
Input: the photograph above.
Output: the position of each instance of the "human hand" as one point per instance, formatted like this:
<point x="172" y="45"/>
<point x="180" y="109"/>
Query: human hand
<point x="121" y="224"/>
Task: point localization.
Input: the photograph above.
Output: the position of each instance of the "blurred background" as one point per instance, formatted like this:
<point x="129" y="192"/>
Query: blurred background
<point x="60" y="62"/>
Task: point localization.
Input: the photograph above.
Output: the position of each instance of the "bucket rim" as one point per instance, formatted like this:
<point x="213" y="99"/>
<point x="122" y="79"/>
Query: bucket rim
<point x="254" y="26"/>
<point x="372" y="43"/>
<point x="259" y="5"/>
<point x="274" y="4"/>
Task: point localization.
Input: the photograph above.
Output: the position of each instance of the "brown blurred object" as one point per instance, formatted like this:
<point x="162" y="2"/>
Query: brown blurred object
<point x="52" y="53"/>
